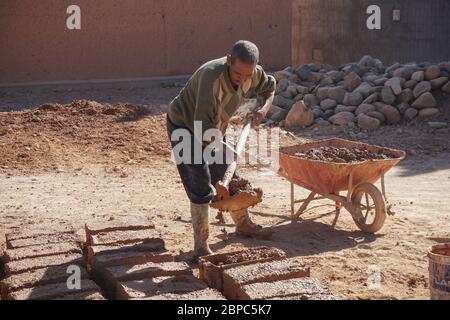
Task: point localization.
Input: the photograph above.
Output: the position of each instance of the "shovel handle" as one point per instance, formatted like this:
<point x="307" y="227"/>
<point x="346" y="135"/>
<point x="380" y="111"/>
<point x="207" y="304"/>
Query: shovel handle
<point x="239" y="147"/>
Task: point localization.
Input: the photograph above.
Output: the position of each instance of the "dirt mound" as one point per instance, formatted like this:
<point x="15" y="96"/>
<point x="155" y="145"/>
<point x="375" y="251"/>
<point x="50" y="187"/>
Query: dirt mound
<point x="342" y="155"/>
<point x="55" y="136"/>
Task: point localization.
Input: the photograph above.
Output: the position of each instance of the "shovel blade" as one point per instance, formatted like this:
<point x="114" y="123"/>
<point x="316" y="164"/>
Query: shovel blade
<point x="242" y="200"/>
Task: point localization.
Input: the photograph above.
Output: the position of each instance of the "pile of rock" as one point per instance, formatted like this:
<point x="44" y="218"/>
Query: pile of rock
<point x="366" y="94"/>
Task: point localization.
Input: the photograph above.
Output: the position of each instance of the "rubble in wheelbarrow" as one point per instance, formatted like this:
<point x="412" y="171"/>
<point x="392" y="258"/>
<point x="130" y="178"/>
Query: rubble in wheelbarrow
<point x="343" y="155"/>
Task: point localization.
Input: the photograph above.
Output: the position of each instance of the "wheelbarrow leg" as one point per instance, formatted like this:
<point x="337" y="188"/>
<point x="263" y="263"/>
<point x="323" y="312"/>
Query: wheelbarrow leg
<point x="338" y="207"/>
<point x="304" y="206"/>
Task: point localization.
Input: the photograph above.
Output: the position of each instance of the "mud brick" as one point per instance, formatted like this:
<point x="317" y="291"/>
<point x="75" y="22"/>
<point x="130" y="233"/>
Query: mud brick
<point x="311" y="297"/>
<point x="123" y="237"/>
<point x="41" y="251"/>
<point x="51" y="291"/>
<point x="261" y="272"/>
<point x="89" y="295"/>
<point x="37" y="277"/>
<point x="129" y="258"/>
<point x="32" y="233"/>
<point x="211" y="267"/>
<point x="109" y="277"/>
<point x="24" y="265"/>
<point x="205" y="294"/>
<point x="156" y="245"/>
<point x="93" y="228"/>
<point x="138" y="289"/>
<point x="42" y="240"/>
<point x="283" y="288"/>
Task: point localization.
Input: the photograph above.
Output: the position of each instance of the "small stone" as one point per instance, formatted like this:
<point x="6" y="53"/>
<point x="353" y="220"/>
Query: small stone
<point x="303" y="72"/>
<point x="395" y="84"/>
<point x="315" y="77"/>
<point x="428" y="112"/>
<point x="318" y="113"/>
<point x="418" y="76"/>
<point x="352" y="81"/>
<point x="283" y="84"/>
<point x="438" y="82"/>
<point x="368" y="123"/>
<point x="406" y="96"/>
<point x="364" y="89"/>
<point x="310" y="100"/>
<point x="387" y="96"/>
<point x="364" y="108"/>
<point x="337" y="94"/>
<point x="391" y="113"/>
<point x="446" y="87"/>
<point x="328" y="104"/>
<point x="392" y="68"/>
<point x="367" y="61"/>
<point x="410" y="114"/>
<point x="380" y="81"/>
<point x="322" y="93"/>
<point x="353" y="99"/>
<point x="341" y="108"/>
<point x="276" y="113"/>
<point x="402" y="107"/>
<point x="432" y="72"/>
<point x="421" y="88"/>
<point x="283" y="102"/>
<point x="426" y="100"/>
<point x="410" y="84"/>
<point x="372" y="98"/>
<point x="326" y="81"/>
<point x="342" y="118"/>
<point x="283" y="74"/>
<point x="377" y="115"/>
<point x="299" y="116"/>
<point x="302" y="90"/>
<point x="323" y="123"/>
<point x="404" y="73"/>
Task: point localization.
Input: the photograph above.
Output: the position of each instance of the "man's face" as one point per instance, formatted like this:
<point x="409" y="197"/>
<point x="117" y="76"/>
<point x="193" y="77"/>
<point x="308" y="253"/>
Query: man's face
<point x="239" y="71"/>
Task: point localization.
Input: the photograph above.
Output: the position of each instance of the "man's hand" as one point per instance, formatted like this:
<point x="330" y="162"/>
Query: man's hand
<point x="256" y="117"/>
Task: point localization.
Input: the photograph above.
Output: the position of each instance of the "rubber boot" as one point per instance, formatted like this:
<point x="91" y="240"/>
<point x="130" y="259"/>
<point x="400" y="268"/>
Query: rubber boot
<point x="245" y="227"/>
<point x="200" y="224"/>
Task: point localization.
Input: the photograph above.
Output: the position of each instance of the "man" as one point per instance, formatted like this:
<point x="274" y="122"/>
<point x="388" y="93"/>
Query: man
<point x="211" y="97"/>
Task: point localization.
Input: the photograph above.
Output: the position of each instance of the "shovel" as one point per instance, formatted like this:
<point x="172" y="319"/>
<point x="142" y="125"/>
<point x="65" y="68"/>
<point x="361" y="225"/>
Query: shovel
<point x="244" y="199"/>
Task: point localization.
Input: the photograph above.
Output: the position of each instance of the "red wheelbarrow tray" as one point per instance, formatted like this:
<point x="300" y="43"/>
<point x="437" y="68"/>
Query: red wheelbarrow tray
<point x="330" y="177"/>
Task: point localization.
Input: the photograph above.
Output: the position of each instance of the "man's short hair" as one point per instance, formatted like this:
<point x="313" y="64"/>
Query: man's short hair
<point x="245" y="51"/>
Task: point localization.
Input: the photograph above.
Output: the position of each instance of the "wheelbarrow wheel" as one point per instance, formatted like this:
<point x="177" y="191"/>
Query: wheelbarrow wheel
<point x="370" y="208"/>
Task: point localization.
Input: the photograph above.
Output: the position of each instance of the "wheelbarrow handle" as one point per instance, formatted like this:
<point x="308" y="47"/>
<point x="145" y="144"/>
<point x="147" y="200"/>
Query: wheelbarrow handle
<point x="239" y="147"/>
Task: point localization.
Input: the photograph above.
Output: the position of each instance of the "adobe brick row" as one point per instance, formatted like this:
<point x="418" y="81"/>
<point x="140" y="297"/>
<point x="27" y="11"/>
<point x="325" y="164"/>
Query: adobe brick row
<point x="51" y="291"/>
<point x="89" y="295"/>
<point x="42" y="240"/>
<point x="95" y="227"/>
<point x="123" y="237"/>
<point x="235" y="278"/>
<point x="43" y="276"/>
<point x="205" y="294"/>
<point x="24" y="265"/>
<point x="138" y="289"/>
<point x="283" y="288"/>
<point x="41" y="251"/>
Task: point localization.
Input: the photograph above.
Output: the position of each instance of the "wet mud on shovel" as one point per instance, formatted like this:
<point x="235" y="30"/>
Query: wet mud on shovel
<point x="229" y="196"/>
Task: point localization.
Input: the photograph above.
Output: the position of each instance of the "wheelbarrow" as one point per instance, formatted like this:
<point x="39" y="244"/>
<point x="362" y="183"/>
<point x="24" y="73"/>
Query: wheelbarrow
<point x="326" y="180"/>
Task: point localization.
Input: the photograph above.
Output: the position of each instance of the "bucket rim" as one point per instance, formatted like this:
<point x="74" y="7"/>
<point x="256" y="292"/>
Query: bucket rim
<point x="438" y="247"/>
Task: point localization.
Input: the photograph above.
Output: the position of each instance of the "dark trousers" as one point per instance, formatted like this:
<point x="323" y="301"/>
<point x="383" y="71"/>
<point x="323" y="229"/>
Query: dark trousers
<point x="198" y="179"/>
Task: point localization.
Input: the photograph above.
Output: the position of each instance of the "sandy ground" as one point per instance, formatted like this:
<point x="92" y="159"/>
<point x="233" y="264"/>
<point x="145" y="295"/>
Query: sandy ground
<point x="343" y="257"/>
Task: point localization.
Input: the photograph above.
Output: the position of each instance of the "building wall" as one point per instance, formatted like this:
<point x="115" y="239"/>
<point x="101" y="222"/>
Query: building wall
<point x="134" y="38"/>
<point x="335" y="32"/>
